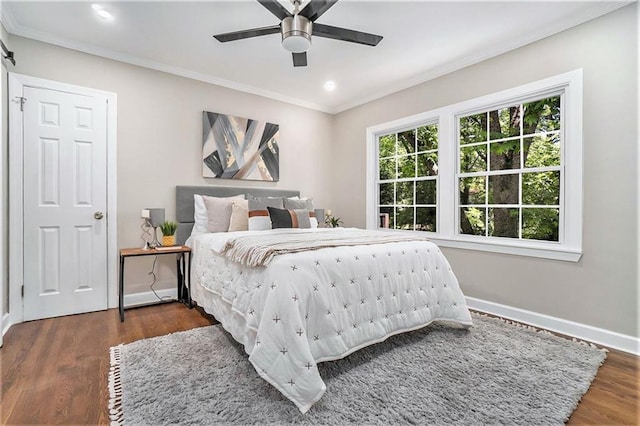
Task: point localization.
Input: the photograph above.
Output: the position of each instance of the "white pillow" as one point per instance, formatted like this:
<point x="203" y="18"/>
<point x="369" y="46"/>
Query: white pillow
<point x="239" y="216"/>
<point x="200" y="217"/>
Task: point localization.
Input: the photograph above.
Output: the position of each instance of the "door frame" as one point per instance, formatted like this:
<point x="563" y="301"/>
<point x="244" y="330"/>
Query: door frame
<point x="16" y="214"/>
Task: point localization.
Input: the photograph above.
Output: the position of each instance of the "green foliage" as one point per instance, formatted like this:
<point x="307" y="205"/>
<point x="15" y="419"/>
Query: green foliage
<point x="168" y="228"/>
<point x="427" y="138"/>
<point x="475" y="218"/>
<point x="473" y="128"/>
<point x="333" y="222"/>
<point x="540" y="224"/>
<point x="529" y="138"/>
<point x="387" y="146"/>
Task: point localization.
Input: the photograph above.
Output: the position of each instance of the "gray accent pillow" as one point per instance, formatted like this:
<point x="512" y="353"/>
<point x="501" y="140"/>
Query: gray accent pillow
<point x="302" y="203"/>
<point x="259" y="219"/>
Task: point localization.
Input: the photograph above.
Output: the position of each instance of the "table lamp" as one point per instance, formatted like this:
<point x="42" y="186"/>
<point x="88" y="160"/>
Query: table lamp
<point x="153" y="218"/>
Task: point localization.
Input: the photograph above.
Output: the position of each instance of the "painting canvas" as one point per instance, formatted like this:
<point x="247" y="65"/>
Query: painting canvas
<point x="239" y="148"/>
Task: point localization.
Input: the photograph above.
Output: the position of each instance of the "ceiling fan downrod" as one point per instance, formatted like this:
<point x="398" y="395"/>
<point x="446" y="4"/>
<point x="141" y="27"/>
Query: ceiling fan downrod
<point x="296" y="31"/>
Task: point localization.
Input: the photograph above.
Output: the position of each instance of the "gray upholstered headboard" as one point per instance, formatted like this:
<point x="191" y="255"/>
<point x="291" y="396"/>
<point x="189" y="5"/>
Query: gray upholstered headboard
<point x="184" y="202"/>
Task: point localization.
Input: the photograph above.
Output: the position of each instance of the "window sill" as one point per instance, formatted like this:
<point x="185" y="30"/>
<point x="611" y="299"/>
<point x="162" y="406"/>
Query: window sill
<point x="554" y="253"/>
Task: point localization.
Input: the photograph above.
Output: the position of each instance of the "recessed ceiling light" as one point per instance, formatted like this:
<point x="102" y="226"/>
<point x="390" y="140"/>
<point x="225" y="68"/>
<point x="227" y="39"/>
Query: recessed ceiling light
<point x="101" y="12"/>
<point x="330" y="86"/>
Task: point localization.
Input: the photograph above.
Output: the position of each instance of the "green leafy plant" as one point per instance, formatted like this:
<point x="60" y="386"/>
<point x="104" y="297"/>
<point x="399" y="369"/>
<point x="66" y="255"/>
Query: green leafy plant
<point x="168" y="228"/>
<point x="333" y="221"/>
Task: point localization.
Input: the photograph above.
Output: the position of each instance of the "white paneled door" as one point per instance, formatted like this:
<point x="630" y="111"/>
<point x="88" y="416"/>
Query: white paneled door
<point x="65" y="203"/>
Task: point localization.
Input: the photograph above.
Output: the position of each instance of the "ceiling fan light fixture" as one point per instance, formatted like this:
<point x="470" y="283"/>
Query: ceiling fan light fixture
<point x="296" y="33"/>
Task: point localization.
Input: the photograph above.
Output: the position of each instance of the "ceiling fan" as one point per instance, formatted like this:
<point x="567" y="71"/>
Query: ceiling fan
<point x="297" y="29"/>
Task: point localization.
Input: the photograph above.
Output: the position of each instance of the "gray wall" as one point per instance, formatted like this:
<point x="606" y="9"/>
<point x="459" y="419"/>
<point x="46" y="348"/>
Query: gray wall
<point x="601" y="289"/>
<point x="159" y="117"/>
<point x="159" y="138"/>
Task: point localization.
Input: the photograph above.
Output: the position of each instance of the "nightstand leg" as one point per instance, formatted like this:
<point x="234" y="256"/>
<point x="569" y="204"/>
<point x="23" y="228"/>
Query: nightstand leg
<point x="121" y="289"/>
<point x="179" y="277"/>
<point x="189" y="282"/>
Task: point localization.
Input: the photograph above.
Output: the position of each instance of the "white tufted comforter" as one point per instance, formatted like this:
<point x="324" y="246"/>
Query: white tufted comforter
<point x="321" y="305"/>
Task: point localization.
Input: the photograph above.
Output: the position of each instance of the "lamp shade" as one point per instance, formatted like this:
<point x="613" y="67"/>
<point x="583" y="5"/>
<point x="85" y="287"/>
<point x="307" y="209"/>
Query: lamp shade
<point x="156" y="217"/>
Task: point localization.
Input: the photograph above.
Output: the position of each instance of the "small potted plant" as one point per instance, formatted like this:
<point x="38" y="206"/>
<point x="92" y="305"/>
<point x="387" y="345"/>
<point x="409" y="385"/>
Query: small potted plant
<point x="332" y="221"/>
<point x="168" y="229"/>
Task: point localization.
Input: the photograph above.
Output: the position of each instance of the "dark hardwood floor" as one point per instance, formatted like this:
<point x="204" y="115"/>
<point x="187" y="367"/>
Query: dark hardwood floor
<point x="54" y="371"/>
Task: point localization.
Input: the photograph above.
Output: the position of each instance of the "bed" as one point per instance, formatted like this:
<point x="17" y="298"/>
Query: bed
<point x="306" y="307"/>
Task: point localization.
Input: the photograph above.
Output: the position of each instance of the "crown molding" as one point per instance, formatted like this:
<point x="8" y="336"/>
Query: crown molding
<point x="595" y="11"/>
<point x="16" y="29"/>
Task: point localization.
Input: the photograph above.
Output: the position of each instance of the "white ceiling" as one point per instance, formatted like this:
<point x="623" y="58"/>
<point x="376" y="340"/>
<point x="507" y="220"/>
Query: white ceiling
<point x="422" y="40"/>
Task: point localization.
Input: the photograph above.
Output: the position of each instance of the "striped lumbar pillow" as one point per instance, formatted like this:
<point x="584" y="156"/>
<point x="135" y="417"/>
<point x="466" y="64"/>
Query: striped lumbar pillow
<point x="284" y="218"/>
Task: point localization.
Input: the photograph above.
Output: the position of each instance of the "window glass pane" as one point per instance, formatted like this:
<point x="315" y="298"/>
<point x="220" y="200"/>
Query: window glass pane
<point x="387" y="146"/>
<point x="542" y="151"/>
<point x="407" y="166"/>
<point x="542" y="115"/>
<point x="428" y="164"/>
<point x="472" y="220"/>
<point x="386" y="193"/>
<point x="473" y="190"/>
<point x="388" y="211"/>
<point x="427" y="137"/>
<point x="541" y="188"/>
<point x="426" y="219"/>
<point x="426" y="192"/>
<point x="473" y="159"/>
<point x="540" y="224"/>
<point x="407" y="142"/>
<point x="473" y="128"/>
<point x="387" y="169"/>
<point x="504" y="122"/>
<point x="404" y="218"/>
<point x="505" y="155"/>
<point x="504" y="222"/>
<point x="404" y="193"/>
<point x="504" y="189"/>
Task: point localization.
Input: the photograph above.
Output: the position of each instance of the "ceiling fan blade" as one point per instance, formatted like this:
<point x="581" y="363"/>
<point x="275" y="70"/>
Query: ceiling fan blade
<point x="255" y="32"/>
<point x="327" y="31"/>
<point x="316" y="8"/>
<point x="276" y="8"/>
<point x="300" y="59"/>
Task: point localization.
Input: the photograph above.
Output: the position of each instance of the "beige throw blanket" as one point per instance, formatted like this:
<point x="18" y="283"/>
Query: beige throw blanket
<point x="259" y="250"/>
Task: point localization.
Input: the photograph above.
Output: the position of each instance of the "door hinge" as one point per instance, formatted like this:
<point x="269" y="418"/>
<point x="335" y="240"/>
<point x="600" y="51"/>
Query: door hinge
<point x="22" y="100"/>
<point x="22" y="291"/>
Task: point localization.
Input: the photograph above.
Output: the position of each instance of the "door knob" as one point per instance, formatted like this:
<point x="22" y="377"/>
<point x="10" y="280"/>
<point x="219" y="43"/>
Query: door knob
<point x="98" y="215"/>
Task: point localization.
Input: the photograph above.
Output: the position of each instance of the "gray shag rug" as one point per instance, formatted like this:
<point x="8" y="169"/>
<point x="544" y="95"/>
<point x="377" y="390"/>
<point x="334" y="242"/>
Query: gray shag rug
<point x="495" y="373"/>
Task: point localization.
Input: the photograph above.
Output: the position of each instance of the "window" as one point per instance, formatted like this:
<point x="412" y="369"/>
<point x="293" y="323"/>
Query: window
<point x="407" y="179"/>
<point x="510" y="171"/>
<point x="500" y="173"/>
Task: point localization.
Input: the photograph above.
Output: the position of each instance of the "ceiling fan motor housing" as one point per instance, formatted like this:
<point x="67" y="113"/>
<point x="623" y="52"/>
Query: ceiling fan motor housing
<point x="296" y="33"/>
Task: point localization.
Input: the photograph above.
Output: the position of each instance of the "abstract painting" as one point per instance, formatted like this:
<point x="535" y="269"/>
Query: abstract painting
<point x="239" y="148"/>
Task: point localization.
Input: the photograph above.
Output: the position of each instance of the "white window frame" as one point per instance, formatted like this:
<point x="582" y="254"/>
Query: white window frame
<point x="569" y="246"/>
<point x="415" y="179"/>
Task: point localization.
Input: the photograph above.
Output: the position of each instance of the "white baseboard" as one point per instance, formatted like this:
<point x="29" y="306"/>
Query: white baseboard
<point x="600" y="336"/>
<point x="148" y="297"/>
<point x="6" y="323"/>
<point x="130" y="301"/>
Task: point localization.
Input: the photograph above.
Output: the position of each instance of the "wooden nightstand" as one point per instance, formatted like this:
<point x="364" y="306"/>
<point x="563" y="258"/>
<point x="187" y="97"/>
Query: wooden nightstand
<point x="183" y="268"/>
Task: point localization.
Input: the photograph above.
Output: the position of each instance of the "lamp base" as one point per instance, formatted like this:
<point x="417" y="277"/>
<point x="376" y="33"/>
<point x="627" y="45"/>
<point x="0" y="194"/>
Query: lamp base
<point x="155" y="243"/>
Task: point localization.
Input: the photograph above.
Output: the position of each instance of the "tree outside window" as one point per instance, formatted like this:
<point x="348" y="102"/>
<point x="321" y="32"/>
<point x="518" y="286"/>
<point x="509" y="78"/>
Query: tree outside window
<point x="510" y="171"/>
<point x="407" y="179"/>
